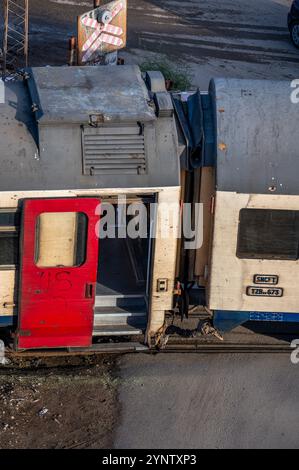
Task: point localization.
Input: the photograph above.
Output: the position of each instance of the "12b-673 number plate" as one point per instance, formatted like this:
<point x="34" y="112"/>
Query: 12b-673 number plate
<point x="264" y="291"/>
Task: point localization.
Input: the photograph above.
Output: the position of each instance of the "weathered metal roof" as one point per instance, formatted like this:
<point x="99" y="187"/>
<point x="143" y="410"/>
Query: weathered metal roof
<point x="50" y="154"/>
<point x="257" y="136"/>
<point x="72" y="94"/>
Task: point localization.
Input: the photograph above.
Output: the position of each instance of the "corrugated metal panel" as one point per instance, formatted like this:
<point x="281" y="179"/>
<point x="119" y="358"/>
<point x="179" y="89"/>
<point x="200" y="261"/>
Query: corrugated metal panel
<point x="114" y="150"/>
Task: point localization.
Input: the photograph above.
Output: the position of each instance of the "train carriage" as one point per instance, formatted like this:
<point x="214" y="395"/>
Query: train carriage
<point x="86" y="150"/>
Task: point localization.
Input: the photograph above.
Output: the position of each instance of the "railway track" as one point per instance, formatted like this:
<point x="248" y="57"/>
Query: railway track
<point x="228" y="348"/>
<point x="239" y="341"/>
<point x="172" y="347"/>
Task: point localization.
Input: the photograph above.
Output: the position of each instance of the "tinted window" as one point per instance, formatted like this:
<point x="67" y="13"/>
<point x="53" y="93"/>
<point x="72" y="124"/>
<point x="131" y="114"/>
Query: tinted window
<point x="9" y="248"/>
<point x="9" y="238"/>
<point x="9" y="219"/>
<point x="268" y="234"/>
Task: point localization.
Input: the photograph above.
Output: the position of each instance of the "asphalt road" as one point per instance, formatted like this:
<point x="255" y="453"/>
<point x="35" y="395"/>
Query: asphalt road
<point x="208" y="401"/>
<point x="237" y="38"/>
<point x="229" y="38"/>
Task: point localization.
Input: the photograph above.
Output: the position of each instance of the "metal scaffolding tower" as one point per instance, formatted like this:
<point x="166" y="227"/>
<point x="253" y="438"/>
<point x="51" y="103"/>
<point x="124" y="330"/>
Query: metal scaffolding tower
<point x="15" y="36"/>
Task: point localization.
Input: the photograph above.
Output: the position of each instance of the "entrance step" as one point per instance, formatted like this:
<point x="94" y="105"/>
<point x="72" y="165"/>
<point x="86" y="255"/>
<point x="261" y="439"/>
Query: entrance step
<point x="116" y="330"/>
<point x="120" y="315"/>
<point x="119" y="300"/>
<point x="113" y="348"/>
<point x="132" y="316"/>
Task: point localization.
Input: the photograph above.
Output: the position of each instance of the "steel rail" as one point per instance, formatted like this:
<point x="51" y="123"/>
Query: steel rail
<point x="174" y="347"/>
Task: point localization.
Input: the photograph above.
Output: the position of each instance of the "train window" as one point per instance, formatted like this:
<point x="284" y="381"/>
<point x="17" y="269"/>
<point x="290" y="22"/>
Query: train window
<point x="9" y="219"/>
<point x="268" y="234"/>
<point x="9" y="238"/>
<point x="61" y="239"/>
<point x="9" y="249"/>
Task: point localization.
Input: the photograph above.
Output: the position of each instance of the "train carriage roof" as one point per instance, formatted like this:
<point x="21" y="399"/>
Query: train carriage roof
<point x="257" y="127"/>
<point x="84" y="128"/>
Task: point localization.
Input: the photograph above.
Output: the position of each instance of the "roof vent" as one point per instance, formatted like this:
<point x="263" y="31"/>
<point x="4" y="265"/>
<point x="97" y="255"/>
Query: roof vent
<point x="114" y="150"/>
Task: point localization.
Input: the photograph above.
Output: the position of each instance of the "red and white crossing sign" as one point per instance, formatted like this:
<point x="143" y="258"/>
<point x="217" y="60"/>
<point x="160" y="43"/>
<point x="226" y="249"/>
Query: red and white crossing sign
<point x="102" y="30"/>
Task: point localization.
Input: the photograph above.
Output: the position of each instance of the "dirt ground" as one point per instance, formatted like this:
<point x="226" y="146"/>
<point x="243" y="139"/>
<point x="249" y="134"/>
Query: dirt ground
<point x="59" y="408"/>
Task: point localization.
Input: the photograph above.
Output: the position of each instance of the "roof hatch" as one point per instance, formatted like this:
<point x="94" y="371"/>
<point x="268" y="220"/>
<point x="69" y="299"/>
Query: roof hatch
<point x="84" y="95"/>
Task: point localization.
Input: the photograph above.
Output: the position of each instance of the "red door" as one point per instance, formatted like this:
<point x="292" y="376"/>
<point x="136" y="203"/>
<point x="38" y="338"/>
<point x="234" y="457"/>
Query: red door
<point x="58" y="271"/>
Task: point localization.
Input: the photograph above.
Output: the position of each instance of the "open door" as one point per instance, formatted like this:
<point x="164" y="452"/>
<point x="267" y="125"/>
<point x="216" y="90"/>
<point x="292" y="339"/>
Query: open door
<point x="58" y="271"/>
